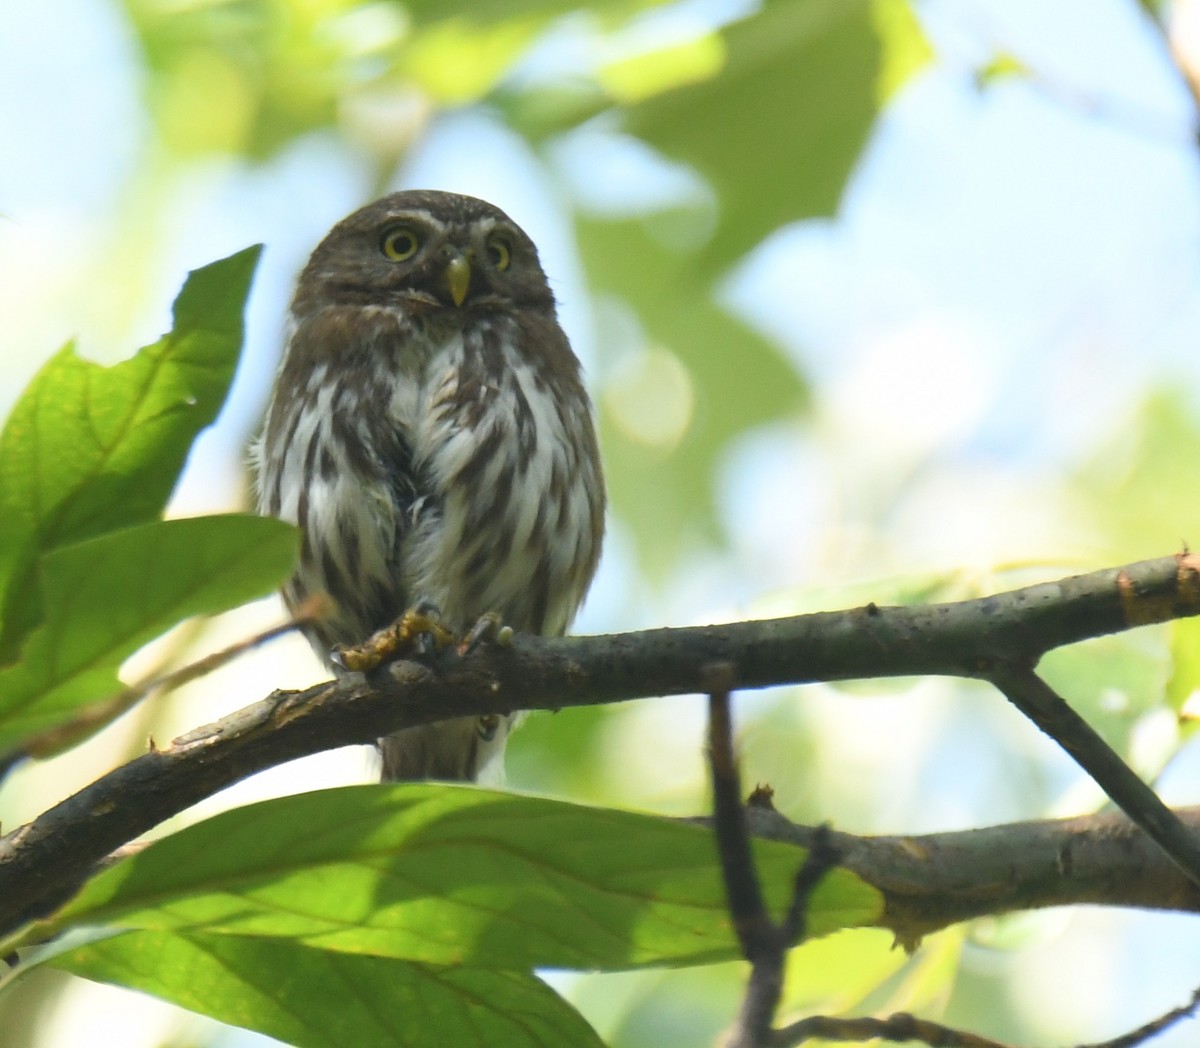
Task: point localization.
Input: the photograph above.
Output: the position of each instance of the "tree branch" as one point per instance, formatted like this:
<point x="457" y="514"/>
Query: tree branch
<point x="1050" y="712"/>
<point x="43" y="862"/>
<point x="905" y="1027"/>
<point x="931" y="881"/>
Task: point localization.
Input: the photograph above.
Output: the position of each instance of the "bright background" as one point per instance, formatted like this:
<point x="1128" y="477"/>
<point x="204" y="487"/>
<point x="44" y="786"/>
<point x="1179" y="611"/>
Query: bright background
<point x="981" y="370"/>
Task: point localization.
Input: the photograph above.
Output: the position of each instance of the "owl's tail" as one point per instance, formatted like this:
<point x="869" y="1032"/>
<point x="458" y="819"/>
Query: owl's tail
<point x="464" y="749"/>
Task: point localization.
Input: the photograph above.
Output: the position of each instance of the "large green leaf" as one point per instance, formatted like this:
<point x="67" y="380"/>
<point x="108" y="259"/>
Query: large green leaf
<point x="323" y="999"/>
<point x="452" y="875"/>
<point x="89" y="449"/>
<point x="106" y="597"/>
<point x="778" y="131"/>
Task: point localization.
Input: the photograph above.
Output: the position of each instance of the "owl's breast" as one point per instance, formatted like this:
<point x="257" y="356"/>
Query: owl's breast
<point x="513" y="525"/>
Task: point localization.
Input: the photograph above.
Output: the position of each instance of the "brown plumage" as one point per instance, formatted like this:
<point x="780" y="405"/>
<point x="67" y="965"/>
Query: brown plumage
<point x="430" y="433"/>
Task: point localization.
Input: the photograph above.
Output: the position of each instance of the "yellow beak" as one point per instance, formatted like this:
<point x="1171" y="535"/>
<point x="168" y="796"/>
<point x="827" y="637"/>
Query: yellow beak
<point x="458" y="278"/>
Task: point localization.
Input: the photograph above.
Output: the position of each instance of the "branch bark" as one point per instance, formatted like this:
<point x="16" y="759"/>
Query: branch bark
<point x="931" y="881"/>
<point x="44" y="862"/>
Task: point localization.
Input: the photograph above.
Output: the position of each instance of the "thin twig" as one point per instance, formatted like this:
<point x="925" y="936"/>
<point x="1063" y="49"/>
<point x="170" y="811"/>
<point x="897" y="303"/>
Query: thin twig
<point x="823" y="856"/>
<point x="1152" y="1028"/>
<point x="746" y="904"/>
<point x="97" y="714"/>
<point x="163" y="684"/>
<point x="896" y="1028"/>
<point x="904" y="1027"/>
<point x="762" y="943"/>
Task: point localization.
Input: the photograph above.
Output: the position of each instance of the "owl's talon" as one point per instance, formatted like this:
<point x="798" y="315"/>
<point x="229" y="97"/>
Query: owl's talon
<point x="488" y="628"/>
<point x="419" y="631"/>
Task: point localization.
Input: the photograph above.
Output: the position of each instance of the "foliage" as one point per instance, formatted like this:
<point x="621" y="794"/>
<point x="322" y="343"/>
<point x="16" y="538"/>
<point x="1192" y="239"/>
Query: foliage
<point x="320" y="918"/>
<point x="87" y="460"/>
<point x="440" y="902"/>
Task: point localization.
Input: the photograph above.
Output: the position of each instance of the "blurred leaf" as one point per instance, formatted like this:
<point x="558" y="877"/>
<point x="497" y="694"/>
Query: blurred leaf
<point x="247" y="76"/>
<point x="1184" y="648"/>
<point x="89" y="449"/>
<point x="906" y="49"/>
<point x="540" y="111"/>
<point x="321" y="999"/>
<point x="250" y="76"/>
<point x="633" y="78"/>
<point x="779" y="130"/>
<point x="915" y="587"/>
<point x="930" y="974"/>
<point x="1155" y="9"/>
<point x="452" y="875"/>
<point x="487" y="12"/>
<point x="1003" y="66"/>
<point x="106" y="597"/>
<point x="1140" y="488"/>
<point x="456" y="61"/>
<point x="1111" y="681"/>
<point x="663" y="1007"/>
<point x="734" y="379"/>
<point x="563" y="753"/>
<point x="839" y="971"/>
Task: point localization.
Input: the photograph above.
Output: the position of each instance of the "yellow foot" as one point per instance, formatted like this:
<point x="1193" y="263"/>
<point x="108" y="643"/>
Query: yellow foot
<point x="488" y="627"/>
<point x="418" y="631"/>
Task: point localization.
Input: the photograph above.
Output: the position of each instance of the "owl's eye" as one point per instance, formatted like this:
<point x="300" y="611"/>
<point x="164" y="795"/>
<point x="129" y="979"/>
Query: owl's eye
<point x="400" y="243"/>
<point x="499" y="252"/>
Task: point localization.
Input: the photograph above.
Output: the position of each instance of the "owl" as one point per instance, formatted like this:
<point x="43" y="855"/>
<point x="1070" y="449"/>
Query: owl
<point x="430" y="434"/>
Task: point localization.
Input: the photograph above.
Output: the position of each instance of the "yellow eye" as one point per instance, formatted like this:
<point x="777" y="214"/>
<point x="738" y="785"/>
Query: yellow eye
<point x="499" y="252"/>
<point x="400" y="243"/>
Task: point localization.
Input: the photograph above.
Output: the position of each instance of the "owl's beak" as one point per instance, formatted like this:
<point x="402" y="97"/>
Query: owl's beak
<point x="458" y="278"/>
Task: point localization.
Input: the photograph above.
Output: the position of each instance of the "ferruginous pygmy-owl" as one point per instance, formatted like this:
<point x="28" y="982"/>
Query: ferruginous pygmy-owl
<point x="430" y="433"/>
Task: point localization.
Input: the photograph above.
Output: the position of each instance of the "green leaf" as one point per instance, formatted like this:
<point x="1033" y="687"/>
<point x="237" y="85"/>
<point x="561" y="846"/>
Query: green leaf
<point x="321" y="999"/>
<point x="489" y="12"/>
<point x="838" y="972"/>
<point x="251" y="77"/>
<point x="1184" y="650"/>
<point x="453" y="875"/>
<point x="633" y="78"/>
<point x="89" y="449"/>
<point x="1001" y="66"/>
<point x="106" y="597"/>
<point x="906" y="48"/>
<point x="1139" y="488"/>
<point x="456" y="61"/>
<point x="779" y="130"/>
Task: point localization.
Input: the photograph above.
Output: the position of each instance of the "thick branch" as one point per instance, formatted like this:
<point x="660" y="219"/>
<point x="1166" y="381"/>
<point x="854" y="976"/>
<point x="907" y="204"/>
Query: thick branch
<point x="932" y="881"/>
<point x="44" y="861"/>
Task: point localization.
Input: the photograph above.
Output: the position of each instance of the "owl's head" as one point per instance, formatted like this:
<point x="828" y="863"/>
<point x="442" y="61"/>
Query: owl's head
<point x="424" y="250"/>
